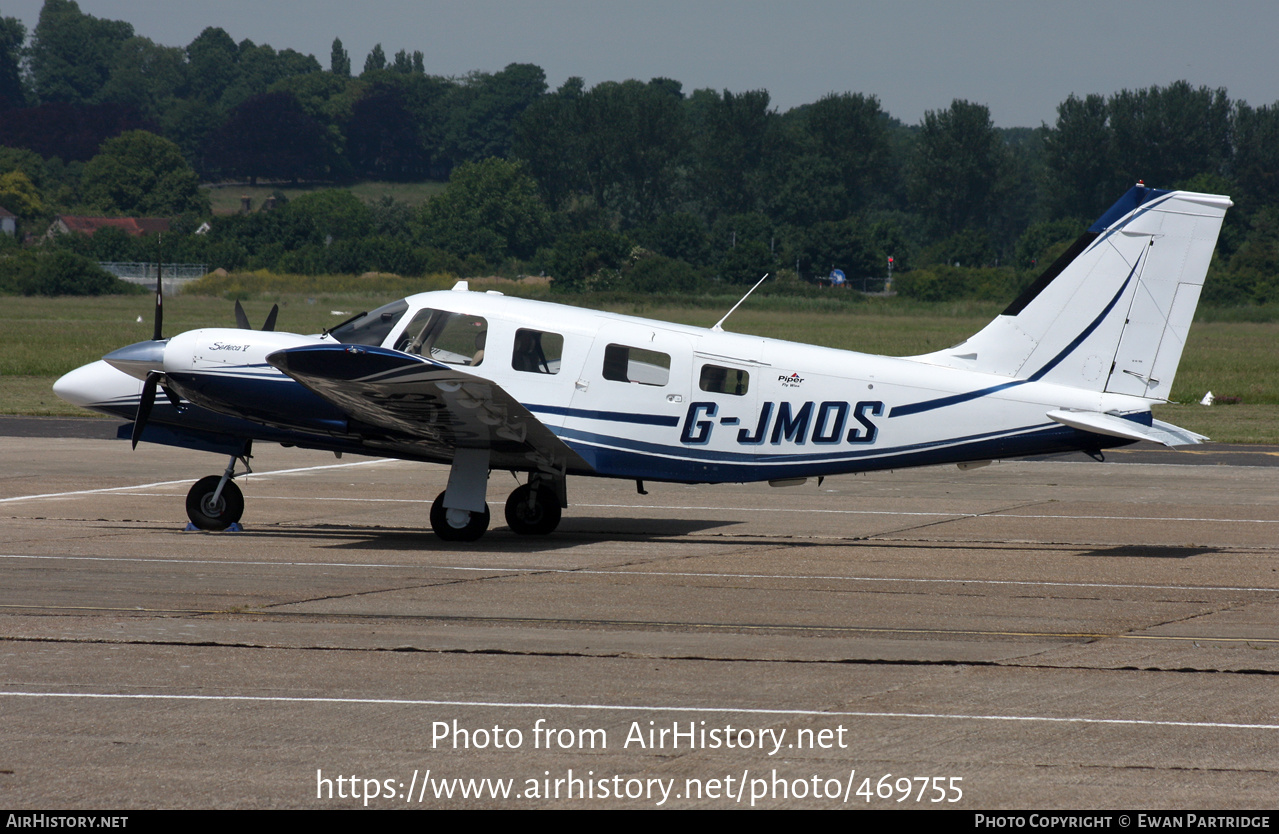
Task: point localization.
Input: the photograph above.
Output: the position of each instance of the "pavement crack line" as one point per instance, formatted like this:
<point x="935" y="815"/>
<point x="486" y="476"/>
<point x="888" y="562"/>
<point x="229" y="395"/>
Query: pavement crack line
<point x="957" y="517"/>
<point x="642" y="657"/>
<point x="443" y="583"/>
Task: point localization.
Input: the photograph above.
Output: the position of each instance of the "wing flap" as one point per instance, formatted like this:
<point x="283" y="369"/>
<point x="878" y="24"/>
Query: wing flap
<point x="1115" y="426"/>
<point x="432" y="403"/>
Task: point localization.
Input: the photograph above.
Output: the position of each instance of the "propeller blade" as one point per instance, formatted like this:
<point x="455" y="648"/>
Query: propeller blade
<point x="241" y="320"/>
<point x="173" y="398"/>
<point x="145" y="404"/>
<point x="157" y="335"/>
<point x="270" y="317"/>
<point x="159" y="310"/>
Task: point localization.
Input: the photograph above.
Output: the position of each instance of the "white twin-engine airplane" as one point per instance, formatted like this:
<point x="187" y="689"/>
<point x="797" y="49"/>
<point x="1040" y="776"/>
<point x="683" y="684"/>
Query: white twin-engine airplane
<point x="482" y="382"/>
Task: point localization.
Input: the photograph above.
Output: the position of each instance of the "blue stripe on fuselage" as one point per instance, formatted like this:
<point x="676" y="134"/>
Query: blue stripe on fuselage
<point x="644" y="463"/>
<point x="615" y="416"/>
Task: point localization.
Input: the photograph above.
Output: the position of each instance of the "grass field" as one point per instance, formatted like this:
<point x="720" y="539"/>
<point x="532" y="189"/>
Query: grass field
<point x="42" y="338"/>
<point x="226" y="198"/>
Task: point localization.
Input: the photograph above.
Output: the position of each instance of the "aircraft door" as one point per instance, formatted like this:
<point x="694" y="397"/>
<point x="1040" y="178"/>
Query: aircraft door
<point x="635" y="382"/>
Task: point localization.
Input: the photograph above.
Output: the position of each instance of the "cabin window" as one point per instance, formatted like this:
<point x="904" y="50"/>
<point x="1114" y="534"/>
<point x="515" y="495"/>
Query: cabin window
<point x="631" y="364"/>
<point x="716" y="379"/>
<point x="370" y="328"/>
<point x="455" y="338"/>
<point x="537" y="352"/>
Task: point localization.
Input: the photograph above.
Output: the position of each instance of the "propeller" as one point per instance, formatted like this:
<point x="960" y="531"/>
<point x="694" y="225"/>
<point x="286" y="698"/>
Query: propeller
<point x="145" y="404"/>
<point x="153" y="378"/>
<point x="242" y="319"/>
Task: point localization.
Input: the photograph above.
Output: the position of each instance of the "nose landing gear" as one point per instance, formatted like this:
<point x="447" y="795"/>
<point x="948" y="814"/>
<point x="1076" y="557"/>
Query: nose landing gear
<point x="215" y="502"/>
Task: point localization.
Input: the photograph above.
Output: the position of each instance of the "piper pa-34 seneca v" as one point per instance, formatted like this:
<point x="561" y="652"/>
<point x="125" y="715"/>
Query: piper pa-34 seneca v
<point x="481" y="381"/>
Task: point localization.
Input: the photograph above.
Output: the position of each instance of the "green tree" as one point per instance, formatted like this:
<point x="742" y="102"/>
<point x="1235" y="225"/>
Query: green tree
<point x="339" y="60"/>
<point x="139" y="173"/>
<point x="1080" y="158"/>
<point x="1165" y="135"/>
<point x="145" y="75"/>
<point x="334" y="213"/>
<point x="480" y="114"/>
<point x="491" y="208"/>
<point x="211" y="61"/>
<point x="633" y="138"/>
<point x="28" y="162"/>
<point x="258" y="67"/>
<point x="548" y="137"/>
<point x="383" y="141"/>
<point x="851" y="131"/>
<point x="376" y="60"/>
<point x="72" y="53"/>
<point x="730" y="146"/>
<point x="270" y="135"/>
<point x="1256" y="158"/>
<point x="19" y="195"/>
<point x="845" y="245"/>
<point x="959" y="167"/>
<point x="589" y="260"/>
<point x="12" y="36"/>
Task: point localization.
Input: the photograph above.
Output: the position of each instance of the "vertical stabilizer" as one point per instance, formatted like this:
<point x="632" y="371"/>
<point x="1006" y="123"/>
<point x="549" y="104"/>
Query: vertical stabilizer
<point x="1113" y="312"/>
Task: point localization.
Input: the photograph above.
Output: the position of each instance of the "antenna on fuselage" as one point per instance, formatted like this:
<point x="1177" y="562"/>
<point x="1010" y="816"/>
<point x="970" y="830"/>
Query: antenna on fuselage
<point x="718" y="328"/>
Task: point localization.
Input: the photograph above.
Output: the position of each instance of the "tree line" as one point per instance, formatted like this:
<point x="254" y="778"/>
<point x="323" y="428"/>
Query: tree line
<point x="630" y="184"/>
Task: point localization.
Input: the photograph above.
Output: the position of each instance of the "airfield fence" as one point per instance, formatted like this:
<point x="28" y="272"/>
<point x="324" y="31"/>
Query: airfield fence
<point x="175" y="276"/>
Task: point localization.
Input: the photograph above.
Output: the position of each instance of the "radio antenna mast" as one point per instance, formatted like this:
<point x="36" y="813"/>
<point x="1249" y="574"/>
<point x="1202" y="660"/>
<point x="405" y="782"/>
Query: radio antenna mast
<point x="718" y="328"/>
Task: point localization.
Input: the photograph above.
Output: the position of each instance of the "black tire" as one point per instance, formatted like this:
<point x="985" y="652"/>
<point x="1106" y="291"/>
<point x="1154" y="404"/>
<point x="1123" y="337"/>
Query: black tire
<point x="474" y="528"/>
<point x="209" y="516"/>
<point x="540" y="519"/>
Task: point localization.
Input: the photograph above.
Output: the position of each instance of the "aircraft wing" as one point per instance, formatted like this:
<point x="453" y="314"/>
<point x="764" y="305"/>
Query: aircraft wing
<point x="427" y="403"/>
<point x="1114" y="426"/>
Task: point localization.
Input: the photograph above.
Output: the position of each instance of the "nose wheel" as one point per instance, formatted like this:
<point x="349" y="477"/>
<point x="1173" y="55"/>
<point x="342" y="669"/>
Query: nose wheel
<point x="211" y="508"/>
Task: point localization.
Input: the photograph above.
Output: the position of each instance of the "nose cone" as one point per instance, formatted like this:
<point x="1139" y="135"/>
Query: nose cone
<point x="100" y="387"/>
<point x="137" y="360"/>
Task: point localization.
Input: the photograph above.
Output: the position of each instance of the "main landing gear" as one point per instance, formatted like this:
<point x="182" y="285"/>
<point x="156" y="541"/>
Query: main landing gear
<point x="533" y="509"/>
<point x="215" y="502"/>
<point x="461" y="513"/>
<point x="457" y="525"/>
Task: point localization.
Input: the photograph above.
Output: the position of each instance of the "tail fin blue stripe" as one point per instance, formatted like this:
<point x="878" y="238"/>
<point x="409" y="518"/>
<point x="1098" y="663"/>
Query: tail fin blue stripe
<point x="953" y="399"/>
<point x="1087" y="331"/>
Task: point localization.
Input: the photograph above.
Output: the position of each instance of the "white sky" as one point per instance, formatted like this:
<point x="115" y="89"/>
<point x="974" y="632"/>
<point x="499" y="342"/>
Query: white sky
<point x="1019" y="58"/>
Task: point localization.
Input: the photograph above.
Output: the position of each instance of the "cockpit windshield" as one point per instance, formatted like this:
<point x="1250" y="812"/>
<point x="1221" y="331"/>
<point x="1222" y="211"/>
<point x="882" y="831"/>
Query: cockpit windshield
<point x="370" y="328"/>
<point x="456" y="338"/>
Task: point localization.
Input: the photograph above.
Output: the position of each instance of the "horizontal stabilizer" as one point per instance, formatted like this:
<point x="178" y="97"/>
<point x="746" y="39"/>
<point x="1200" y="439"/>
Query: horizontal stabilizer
<point x="1113" y="426"/>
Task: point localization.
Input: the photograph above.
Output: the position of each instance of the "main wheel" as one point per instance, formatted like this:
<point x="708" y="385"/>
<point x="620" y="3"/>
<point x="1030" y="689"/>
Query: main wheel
<point x="208" y="514"/>
<point x="536" y="520"/>
<point x="475" y="526"/>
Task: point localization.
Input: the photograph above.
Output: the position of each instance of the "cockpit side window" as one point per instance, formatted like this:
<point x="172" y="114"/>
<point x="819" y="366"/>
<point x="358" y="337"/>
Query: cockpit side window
<point x="537" y="352"/>
<point x="370" y="328"/>
<point x="455" y="338"/>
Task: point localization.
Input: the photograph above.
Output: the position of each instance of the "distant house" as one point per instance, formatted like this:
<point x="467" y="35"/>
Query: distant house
<point x="8" y="223"/>
<point x="136" y="226"/>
